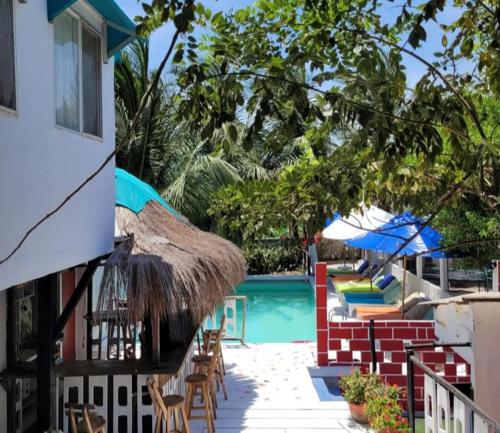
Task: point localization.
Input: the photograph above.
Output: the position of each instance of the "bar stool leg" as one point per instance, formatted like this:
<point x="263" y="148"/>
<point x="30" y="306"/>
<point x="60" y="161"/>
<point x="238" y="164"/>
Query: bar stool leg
<point x="185" y="421"/>
<point x="208" y="408"/>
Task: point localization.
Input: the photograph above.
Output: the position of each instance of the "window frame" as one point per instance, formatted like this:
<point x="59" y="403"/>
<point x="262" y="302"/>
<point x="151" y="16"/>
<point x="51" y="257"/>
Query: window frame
<point x="3" y="109"/>
<point x="90" y="28"/>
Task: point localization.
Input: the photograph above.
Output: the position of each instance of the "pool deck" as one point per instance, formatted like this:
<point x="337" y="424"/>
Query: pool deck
<point x="271" y="391"/>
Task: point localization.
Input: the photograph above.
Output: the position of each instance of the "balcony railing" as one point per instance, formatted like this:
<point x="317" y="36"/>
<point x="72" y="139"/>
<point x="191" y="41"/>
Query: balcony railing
<point x="447" y="409"/>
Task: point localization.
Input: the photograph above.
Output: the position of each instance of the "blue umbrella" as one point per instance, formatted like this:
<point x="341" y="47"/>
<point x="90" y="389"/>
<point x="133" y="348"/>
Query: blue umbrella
<point x="391" y="236"/>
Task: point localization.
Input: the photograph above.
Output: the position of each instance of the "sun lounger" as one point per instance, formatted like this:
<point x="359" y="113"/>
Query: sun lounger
<point x="389" y="295"/>
<point x="387" y="312"/>
<point x="377" y="285"/>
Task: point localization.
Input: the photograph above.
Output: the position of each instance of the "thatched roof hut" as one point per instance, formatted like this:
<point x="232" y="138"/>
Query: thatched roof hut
<point x="166" y="264"/>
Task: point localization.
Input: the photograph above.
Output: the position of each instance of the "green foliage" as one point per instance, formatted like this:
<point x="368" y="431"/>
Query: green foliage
<point x="300" y="198"/>
<point x="269" y="258"/>
<point x="384" y="411"/>
<point x="468" y="223"/>
<point x="328" y="78"/>
<point x="357" y="387"/>
<point x="333" y="75"/>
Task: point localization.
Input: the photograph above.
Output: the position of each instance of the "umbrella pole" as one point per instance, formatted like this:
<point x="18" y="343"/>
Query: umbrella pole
<point x="403" y="289"/>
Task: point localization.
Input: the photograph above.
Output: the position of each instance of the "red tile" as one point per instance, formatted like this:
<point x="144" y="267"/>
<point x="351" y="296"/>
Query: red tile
<point x="359" y="344"/>
<point x="322" y="359"/>
<point x="320" y="273"/>
<point x="347" y="324"/>
<point x="334" y="345"/>
<point x="321" y="296"/>
<point x="390" y="368"/>
<point x="422" y="333"/>
<point x="398" y="357"/>
<point x="434" y="357"/>
<point x="383" y="334"/>
<point x="398" y="323"/>
<point x="321" y="319"/>
<point x="334" y="324"/>
<point x="344" y="356"/>
<point x="450" y="370"/>
<point x="391" y="345"/>
<point x="322" y="337"/>
<point x="360" y="333"/>
<point x="341" y="333"/>
<point x="418" y="380"/>
<point x="430" y="334"/>
<point x="405" y="333"/>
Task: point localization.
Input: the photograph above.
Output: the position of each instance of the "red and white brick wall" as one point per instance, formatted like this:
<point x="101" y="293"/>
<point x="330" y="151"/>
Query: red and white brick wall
<point x="347" y="344"/>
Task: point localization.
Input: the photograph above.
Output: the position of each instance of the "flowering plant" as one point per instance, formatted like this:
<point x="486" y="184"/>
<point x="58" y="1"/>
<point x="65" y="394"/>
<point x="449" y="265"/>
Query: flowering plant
<point x="357" y="386"/>
<point x="384" y="411"/>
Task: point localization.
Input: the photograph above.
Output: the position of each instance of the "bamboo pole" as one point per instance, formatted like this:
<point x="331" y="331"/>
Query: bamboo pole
<point x="403" y="289"/>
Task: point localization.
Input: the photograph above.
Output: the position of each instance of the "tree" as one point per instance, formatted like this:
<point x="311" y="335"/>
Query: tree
<point x="356" y="85"/>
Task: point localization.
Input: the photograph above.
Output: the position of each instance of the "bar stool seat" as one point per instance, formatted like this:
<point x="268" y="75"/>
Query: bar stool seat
<point x="201" y="358"/>
<point x="196" y="378"/>
<point x="173" y="400"/>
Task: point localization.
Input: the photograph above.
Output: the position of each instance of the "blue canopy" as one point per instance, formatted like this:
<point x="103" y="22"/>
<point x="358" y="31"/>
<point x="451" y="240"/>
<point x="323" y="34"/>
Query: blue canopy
<point x="389" y="237"/>
<point x="120" y="30"/>
<point x="133" y="194"/>
<point x="329" y="220"/>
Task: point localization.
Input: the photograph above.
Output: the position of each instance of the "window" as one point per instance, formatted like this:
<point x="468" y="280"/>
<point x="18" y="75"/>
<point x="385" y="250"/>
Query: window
<point x="91" y="73"/>
<point x="77" y="75"/>
<point x="7" y="60"/>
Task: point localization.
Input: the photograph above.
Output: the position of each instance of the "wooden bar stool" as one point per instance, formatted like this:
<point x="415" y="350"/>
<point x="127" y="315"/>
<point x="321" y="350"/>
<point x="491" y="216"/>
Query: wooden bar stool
<point x="168" y="408"/>
<point x="212" y="346"/>
<point x="198" y="385"/>
<point x="90" y="421"/>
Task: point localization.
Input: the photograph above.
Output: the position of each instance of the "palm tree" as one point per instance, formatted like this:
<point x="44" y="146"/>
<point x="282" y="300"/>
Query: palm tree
<point x="162" y="152"/>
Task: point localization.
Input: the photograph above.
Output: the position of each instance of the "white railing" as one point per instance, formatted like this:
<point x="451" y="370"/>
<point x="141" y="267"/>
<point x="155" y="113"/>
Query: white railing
<point x="464" y="418"/>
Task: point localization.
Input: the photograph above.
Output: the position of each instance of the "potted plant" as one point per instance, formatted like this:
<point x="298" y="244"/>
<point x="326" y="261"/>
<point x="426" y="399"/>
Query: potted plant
<point x="356" y="387"/>
<point x="384" y="411"/>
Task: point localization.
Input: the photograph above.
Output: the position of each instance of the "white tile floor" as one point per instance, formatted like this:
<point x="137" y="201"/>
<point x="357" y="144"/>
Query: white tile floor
<point x="271" y="391"/>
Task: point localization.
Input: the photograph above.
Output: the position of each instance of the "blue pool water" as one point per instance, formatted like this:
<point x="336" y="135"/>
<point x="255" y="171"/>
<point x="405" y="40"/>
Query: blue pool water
<point x="278" y="311"/>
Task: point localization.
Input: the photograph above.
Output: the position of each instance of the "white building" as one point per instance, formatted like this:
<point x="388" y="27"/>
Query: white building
<point x="57" y="125"/>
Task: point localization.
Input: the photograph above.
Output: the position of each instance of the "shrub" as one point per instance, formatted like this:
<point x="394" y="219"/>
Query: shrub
<point x="272" y="258"/>
<point x="357" y="387"/>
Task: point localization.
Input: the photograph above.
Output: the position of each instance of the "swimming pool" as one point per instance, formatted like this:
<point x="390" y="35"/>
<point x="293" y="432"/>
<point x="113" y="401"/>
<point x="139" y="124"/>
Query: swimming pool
<point x="278" y="311"/>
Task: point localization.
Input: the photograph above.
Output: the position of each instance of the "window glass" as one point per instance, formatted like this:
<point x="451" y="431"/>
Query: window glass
<point x="67" y="72"/>
<point x="7" y="68"/>
<point x="91" y="80"/>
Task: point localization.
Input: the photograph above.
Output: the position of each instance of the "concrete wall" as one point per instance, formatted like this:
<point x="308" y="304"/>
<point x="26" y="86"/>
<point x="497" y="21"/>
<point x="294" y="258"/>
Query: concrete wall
<point x="486" y="356"/>
<point x="40" y="164"/>
<point x="413" y="283"/>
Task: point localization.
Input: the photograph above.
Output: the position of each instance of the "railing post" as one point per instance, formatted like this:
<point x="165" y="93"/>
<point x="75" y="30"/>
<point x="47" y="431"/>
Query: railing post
<point x="410" y="387"/>
<point x="371" y="335"/>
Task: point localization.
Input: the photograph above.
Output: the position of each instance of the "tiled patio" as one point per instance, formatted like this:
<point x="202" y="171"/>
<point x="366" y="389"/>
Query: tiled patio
<point x="271" y="391"/>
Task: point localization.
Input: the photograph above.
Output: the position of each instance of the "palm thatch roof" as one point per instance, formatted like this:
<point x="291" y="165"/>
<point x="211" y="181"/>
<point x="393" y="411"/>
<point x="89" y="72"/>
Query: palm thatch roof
<point x="167" y="265"/>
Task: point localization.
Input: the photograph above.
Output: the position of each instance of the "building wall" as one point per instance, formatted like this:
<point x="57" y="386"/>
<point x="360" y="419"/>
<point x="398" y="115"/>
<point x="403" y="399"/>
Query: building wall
<point x="486" y="356"/>
<point x="41" y="164"/>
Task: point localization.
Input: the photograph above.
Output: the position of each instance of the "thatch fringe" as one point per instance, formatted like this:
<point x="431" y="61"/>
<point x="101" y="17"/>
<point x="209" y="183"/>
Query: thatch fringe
<point x="168" y="266"/>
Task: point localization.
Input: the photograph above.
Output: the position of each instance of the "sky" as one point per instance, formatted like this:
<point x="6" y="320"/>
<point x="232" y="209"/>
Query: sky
<point x="161" y="38"/>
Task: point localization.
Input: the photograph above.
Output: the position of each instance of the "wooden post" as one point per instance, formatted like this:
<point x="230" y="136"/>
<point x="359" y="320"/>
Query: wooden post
<point x="45" y="380"/>
<point x="155" y="334"/>
<point x="403" y="289"/>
